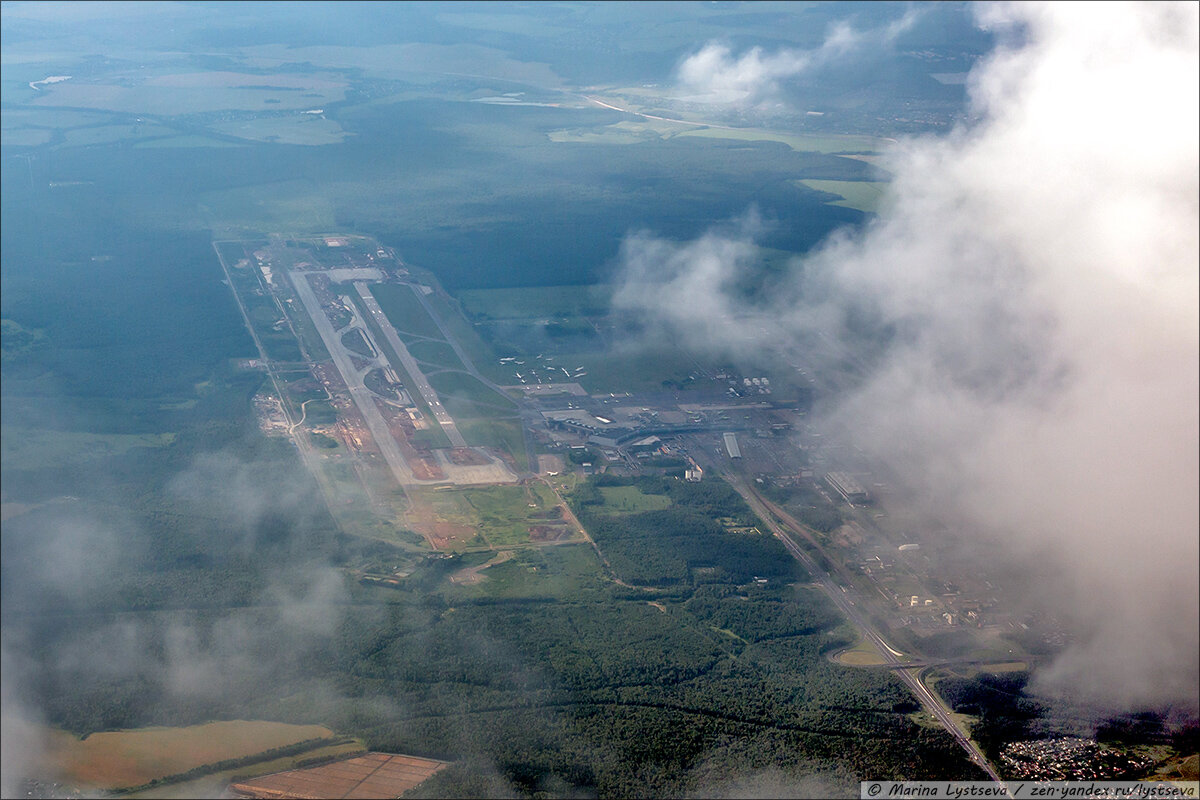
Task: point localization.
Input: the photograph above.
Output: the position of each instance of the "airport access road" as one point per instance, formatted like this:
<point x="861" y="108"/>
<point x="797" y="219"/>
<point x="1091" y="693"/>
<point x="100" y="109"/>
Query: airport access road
<point x="303" y="447"/>
<point x="411" y="367"/>
<point x="363" y="397"/>
<point x="845" y="601"/>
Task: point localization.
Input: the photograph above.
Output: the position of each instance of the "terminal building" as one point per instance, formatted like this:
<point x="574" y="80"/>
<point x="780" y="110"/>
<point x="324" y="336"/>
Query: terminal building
<point x="847" y="487"/>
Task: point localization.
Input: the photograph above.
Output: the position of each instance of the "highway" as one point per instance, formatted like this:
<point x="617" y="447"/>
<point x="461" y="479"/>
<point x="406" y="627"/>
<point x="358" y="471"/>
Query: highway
<point x="843" y="598"/>
<point x="363" y="397"/>
<point x="410" y="366"/>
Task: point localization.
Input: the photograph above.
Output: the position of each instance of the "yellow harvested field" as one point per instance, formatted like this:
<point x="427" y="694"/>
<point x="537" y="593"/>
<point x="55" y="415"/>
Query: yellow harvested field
<point x="117" y="759"/>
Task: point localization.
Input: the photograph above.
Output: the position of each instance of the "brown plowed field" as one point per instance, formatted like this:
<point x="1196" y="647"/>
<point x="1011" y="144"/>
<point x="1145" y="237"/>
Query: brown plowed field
<point x="441" y="533"/>
<point x="371" y="775"/>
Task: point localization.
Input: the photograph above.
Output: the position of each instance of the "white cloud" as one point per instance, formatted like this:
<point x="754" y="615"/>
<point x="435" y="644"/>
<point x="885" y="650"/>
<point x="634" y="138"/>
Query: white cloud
<point x="715" y="75"/>
<point x="1040" y="269"/>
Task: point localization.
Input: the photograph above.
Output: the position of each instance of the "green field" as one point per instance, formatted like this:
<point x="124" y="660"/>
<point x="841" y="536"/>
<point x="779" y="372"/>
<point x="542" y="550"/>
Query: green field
<point x="569" y="573"/>
<point x="502" y="515"/>
<point x="185" y="141"/>
<point x="630" y="500"/>
<point x="190" y="93"/>
<point x="537" y="302"/>
<point x="863" y="195"/>
<point x="299" y="129"/>
<point x="634" y="369"/>
<point x="434" y="353"/>
<point x="800" y="142"/>
<point x="405" y="311"/>
<point x="479" y="351"/>
<point x="498" y="432"/>
<point x="465" y="387"/>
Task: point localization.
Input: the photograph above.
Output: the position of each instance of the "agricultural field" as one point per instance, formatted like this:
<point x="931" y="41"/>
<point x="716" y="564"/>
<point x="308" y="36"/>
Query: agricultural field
<point x="124" y="759"/>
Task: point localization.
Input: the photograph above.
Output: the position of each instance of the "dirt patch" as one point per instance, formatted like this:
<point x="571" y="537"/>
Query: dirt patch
<point x="551" y="464"/>
<point x="466" y="457"/>
<point x="441" y="533"/>
<point x="473" y="575"/>
<point x="548" y="533"/>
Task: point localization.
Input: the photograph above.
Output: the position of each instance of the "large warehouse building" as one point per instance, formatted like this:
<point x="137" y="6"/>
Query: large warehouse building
<point x="847" y="487"/>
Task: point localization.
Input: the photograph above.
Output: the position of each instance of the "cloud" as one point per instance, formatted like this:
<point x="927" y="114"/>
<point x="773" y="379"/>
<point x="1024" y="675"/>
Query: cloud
<point x="696" y="278"/>
<point x="715" y="75"/>
<point x="1037" y="272"/>
<point x="22" y="735"/>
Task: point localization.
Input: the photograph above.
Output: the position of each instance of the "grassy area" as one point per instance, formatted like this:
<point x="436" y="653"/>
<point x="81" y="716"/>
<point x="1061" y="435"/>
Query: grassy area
<point x="115" y="759"/>
<point x="466" y="387"/>
<point x="186" y="141"/>
<point x="432" y="436"/>
<point x="863" y="195"/>
<point x="25" y="137"/>
<point x="439" y="354"/>
<point x="569" y="572"/>
<point x="294" y="129"/>
<point x="632" y="371"/>
<point x="813" y="143"/>
<point x="168" y="95"/>
<point x="479" y="351"/>
<point x="862" y="654"/>
<point x="502" y="515"/>
<point x="405" y="311"/>
<point x="630" y="500"/>
<point x="537" y="302"/>
<point x="502" y="434"/>
<point x="102" y="134"/>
